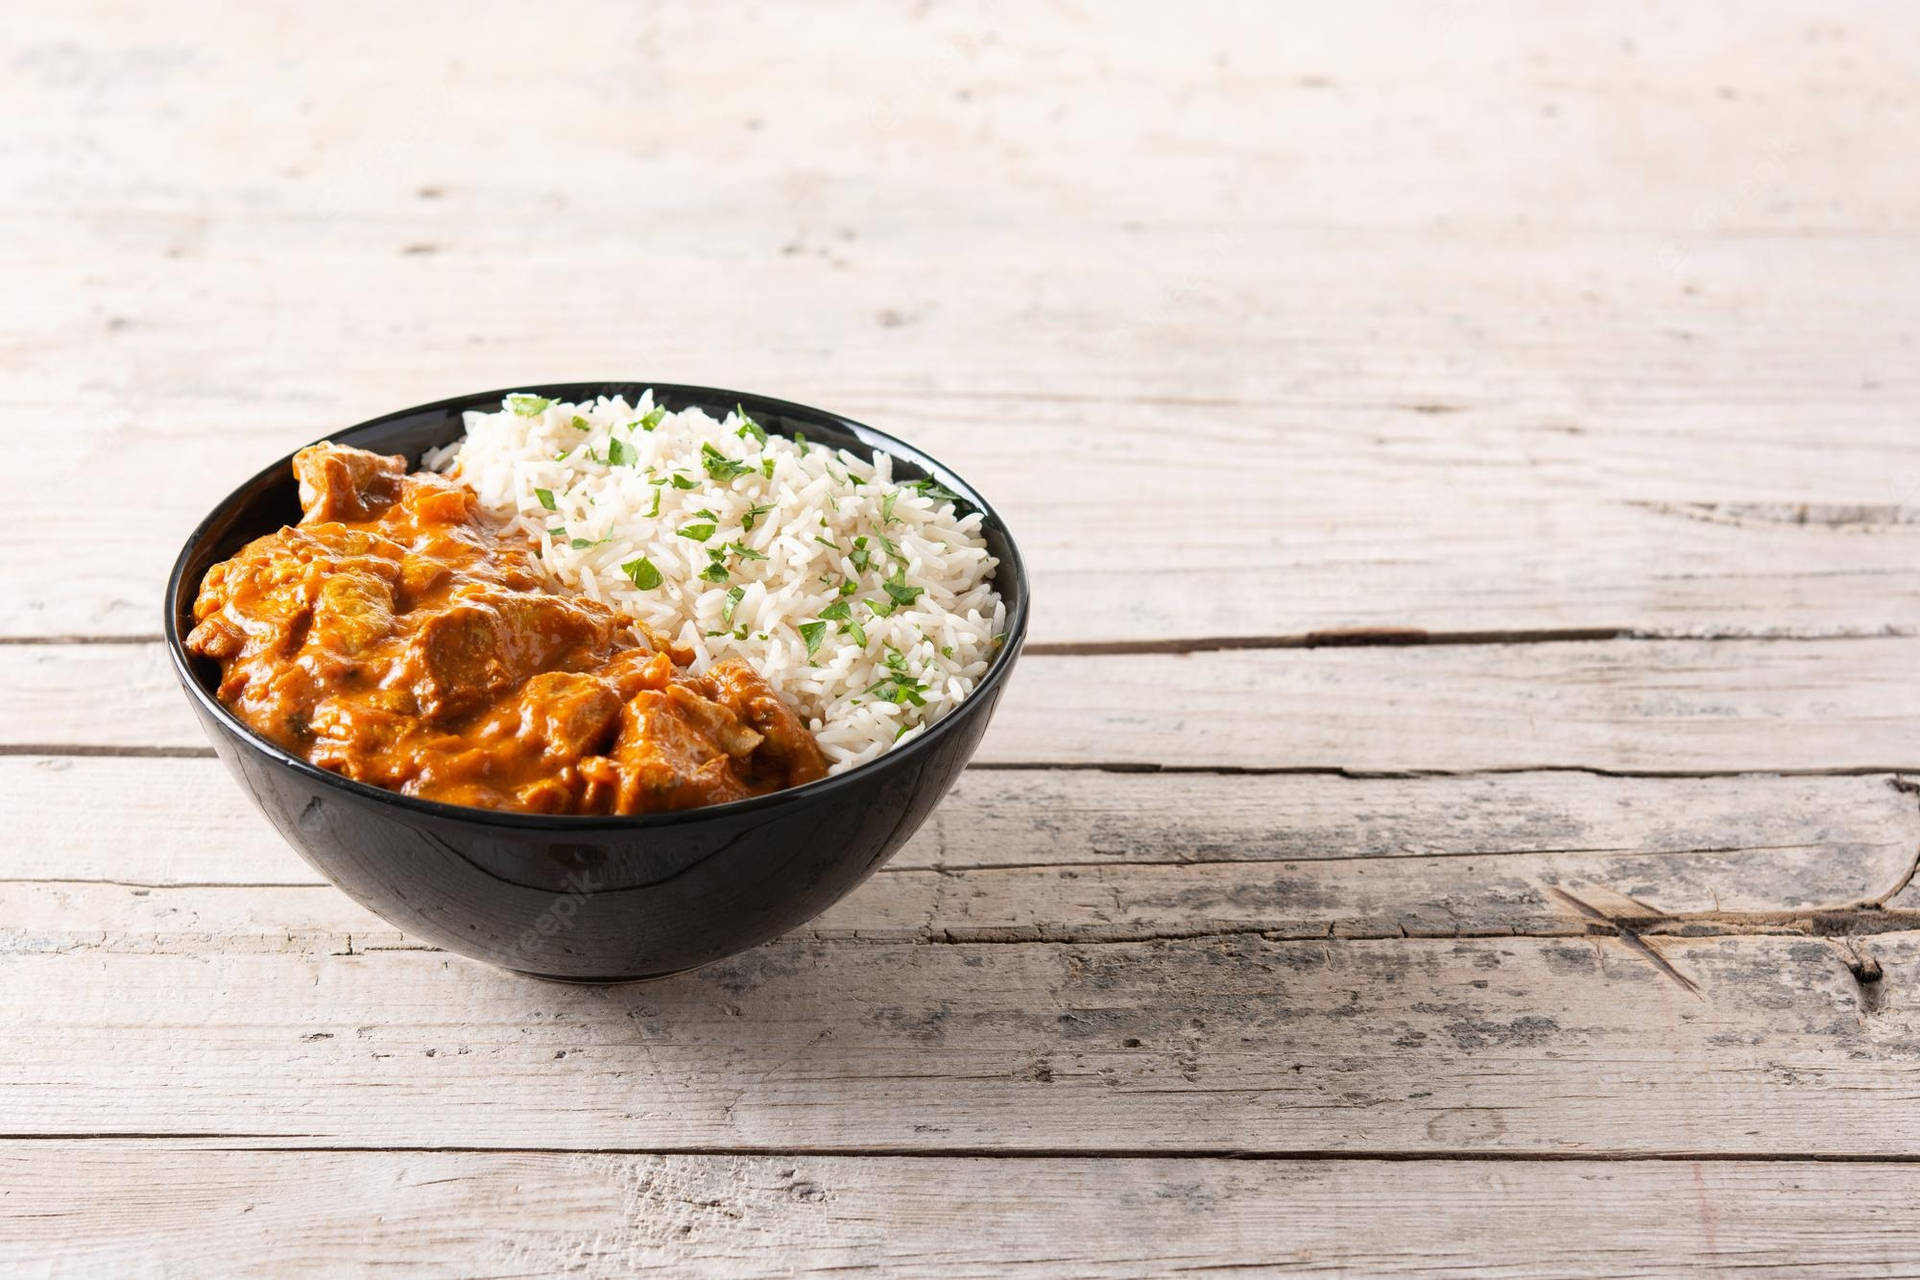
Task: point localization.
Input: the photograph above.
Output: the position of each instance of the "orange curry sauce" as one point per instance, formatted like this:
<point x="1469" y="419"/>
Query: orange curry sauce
<point x="399" y="637"/>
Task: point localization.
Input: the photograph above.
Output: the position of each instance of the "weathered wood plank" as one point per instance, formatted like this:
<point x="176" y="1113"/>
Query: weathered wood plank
<point x="1020" y="857"/>
<point x="156" y="822"/>
<point x="1231" y="1044"/>
<point x="1653" y="706"/>
<point x="1392" y="521"/>
<point x="144" y="1208"/>
<point x="1243" y="114"/>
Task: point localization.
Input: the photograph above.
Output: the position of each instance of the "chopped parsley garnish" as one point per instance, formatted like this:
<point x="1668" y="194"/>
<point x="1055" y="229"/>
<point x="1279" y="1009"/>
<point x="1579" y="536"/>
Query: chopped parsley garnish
<point x="812" y="633"/>
<point x="838" y="611"/>
<point x="888" y="543"/>
<point x="753" y="514"/>
<point x="898" y="590"/>
<point x="556" y="534"/>
<point x="800" y="441"/>
<point x="861" y="557"/>
<point x="580" y="424"/>
<point x="621" y="453"/>
<point x="719" y="465"/>
<point x="882" y="608"/>
<point x="903" y="731"/>
<point x="848" y="587"/>
<point x="858" y="633"/>
<point x="716" y="571"/>
<point x="946" y="651"/>
<point x="656" y="505"/>
<point x="546" y="498"/>
<point x="681" y="482"/>
<point x="581" y="544"/>
<point x="931" y="488"/>
<point x="734" y="595"/>
<point x="654" y="417"/>
<point x="748" y="427"/>
<point x="826" y="542"/>
<point x="698" y="532"/>
<point x="900" y="689"/>
<point x="744" y="552"/>
<point x="707" y="512"/>
<point x="528" y="406"/>
<point x="886" y="506"/>
<point x="641" y="573"/>
<point x="766" y="466"/>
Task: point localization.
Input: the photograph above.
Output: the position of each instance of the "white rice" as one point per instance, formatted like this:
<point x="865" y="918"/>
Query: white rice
<point x="606" y="471"/>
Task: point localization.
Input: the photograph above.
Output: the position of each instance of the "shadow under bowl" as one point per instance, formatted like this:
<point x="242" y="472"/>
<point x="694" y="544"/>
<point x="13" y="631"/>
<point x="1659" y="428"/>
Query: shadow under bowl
<point x="590" y="899"/>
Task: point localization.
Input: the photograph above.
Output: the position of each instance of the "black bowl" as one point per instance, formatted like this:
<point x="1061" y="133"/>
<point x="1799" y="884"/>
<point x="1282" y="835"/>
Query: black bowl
<point x="591" y="898"/>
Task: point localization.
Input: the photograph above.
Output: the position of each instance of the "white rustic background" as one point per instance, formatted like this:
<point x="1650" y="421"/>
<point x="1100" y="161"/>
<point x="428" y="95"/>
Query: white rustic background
<point x="1452" y="817"/>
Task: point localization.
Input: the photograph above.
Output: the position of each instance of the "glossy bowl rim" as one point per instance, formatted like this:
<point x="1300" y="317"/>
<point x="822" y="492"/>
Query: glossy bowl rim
<point x="893" y="757"/>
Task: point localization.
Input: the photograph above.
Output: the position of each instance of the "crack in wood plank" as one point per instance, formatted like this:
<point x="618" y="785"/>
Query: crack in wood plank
<point x="1633" y="940"/>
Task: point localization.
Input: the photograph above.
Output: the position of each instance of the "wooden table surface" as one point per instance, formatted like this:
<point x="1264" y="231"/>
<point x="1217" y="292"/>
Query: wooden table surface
<point x="1457" y="813"/>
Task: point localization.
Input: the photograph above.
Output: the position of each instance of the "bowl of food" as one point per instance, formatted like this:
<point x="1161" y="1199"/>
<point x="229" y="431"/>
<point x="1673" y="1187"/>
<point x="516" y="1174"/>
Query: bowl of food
<point x="598" y="681"/>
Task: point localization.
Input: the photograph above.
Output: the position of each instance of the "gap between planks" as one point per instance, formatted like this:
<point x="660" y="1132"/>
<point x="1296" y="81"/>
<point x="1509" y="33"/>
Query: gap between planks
<point x="1354" y="638"/>
<point x="249" y="1143"/>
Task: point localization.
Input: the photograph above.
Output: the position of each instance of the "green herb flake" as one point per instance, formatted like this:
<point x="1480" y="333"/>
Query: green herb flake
<point x="861" y="557"/>
<point x="580" y="424"/>
<point x="715" y="572"/>
<point x="930" y="488"/>
<point x="556" y="534"/>
<point x="900" y="689"/>
<point x="881" y="608"/>
<point x="706" y="512"/>
<point x="621" y="453"/>
<point x="838" y="611"/>
<point x="800" y="442"/>
<point x="748" y="427"/>
<point x="719" y="465"/>
<point x="888" y="543"/>
<point x="641" y="573"/>
<point x="698" y="532"/>
<point x="812" y="633"/>
<point x="734" y="596"/>
<point x="656" y="505"/>
<point x="654" y="417"/>
<point x="826" y="542"/>
<point x="546" y="498"/>
<point x="752" y="517"/>
<point x="886" y="506"/>
<point x="744" y="552"/>
<point x="858" y="633"/>
<point x="848" y="587"/>
<point x="681" y="482"/>
<point x="901" y="594"/>
<point x="581" y="544"/>
<point x="528" y="406"/>
<point x="946" y="651"/>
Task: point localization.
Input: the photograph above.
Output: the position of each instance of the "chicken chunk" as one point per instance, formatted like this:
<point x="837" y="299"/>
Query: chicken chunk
<point x="338" y="483"/>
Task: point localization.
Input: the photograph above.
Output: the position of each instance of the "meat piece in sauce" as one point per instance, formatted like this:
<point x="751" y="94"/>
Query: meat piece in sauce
<point x="399" y="636"/>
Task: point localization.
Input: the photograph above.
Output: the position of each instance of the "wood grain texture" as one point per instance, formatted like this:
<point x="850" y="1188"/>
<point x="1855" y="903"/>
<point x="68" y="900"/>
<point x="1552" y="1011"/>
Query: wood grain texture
<point x="1763" y="1046"/>
<point x="1266" y="521"/>
<point x="178" y="822"/>
<point x="124" y="1209"/>
<point x="1645" y="706"/>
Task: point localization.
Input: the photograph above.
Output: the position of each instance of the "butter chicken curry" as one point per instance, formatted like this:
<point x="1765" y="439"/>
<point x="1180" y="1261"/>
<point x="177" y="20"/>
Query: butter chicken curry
<point x="400" y="637"/>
